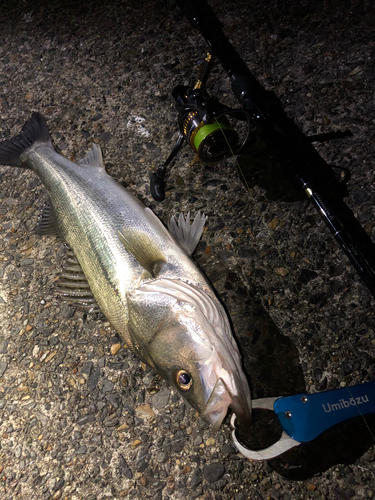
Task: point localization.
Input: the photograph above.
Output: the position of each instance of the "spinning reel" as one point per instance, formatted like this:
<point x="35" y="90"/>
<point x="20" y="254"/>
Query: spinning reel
<point x="213" y="131"/>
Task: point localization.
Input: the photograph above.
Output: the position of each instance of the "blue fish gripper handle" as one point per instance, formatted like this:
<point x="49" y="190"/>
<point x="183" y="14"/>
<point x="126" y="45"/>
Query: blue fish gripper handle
<point x="304" y="416"/>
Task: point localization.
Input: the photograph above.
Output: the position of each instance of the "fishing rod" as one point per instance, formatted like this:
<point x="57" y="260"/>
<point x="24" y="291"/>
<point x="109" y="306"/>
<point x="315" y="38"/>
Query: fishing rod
<point x="210" y="129"/>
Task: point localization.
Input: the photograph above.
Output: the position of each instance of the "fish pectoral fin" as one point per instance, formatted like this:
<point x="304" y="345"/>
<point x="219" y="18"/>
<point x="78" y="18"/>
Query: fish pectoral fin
<point x="73" y="286"/>
<point x="188" y="235"/>
<point x="143" y="248"/>
<point x="93" y="158"/>
<point x="46" y="224"/>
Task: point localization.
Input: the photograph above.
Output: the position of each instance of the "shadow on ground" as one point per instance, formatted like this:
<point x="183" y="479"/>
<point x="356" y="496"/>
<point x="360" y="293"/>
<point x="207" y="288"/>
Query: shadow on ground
<point x="272" y="364"/>
<point x="343" y="444"/>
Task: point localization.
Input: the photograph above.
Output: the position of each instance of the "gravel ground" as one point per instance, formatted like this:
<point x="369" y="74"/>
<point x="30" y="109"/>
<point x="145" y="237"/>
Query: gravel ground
<point x="80" y="416"/>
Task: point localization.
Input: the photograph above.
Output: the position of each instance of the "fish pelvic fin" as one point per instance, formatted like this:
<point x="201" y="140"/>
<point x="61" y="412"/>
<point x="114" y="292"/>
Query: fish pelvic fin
<point x="93" y="158"/>
<point x="188" y="235"/>
<point x="143" y="248"/>
<point x="34" y="130"/>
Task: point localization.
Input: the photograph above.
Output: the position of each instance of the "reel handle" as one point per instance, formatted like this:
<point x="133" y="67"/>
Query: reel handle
<point x="157" y="179"/>
<point x="157" y="183"/>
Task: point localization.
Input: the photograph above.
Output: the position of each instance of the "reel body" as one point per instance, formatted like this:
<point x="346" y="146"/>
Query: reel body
<point x="208" y="126"/>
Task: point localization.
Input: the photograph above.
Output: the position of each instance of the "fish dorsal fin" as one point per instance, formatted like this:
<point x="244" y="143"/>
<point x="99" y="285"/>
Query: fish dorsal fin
<point x="46" y="225"/>
<point x="93" y="158"/>
<point x="73" y="286"/>
<point x="188" y="235"/>
<point x="144" y="249"/>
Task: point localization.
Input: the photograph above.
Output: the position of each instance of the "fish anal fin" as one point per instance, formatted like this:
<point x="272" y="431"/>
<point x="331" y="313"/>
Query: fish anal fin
<point x="72" y="285"/>
<point x="188" y="235"/>
<point x="47" y="225"/>
<point x="93" y="158"/>
<point x="143" y="248"/>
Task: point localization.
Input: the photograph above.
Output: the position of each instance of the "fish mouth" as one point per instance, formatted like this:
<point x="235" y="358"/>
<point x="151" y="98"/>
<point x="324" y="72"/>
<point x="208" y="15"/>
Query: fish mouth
<point x="218" y="403"/>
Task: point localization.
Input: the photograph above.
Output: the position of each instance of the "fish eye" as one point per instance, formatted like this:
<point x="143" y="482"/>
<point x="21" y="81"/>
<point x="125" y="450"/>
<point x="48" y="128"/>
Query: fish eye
<point x="184" y="380"/>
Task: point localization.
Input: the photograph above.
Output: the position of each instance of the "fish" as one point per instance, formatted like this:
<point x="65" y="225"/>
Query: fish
<point x="138" y="273"/>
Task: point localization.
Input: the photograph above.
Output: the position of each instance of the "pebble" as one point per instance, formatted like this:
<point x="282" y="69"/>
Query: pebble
<point x="145" y="411"/>
<point x="265" y="484"/>
<point x="197" y="440"/>
<point x="23" y="388"/>
<point x="18" y="451"/>
<point x="136" y="443"/>
<point x="143" y="481"/>
<point x="311" y="486"/>
<point x="196" y="478"/>
<point x="3" y="367"/>
<point x="3" y="346"/>
<point x="122" y="427"/>
<point x="86" y="369"/>
<point x="161" y="398"/>
<point x="213" y="472"/>
<point x="86" y="419"/>
<point x="281" y="271"/>
<point x="108" y="385"/>
<point x="115" y="348"/>
<point x="273" y="224"/>
<point x="124" y="468"/>
<point x="161" y="457"/>
<point x="10" y="201"/>
<point x="112" y="422"/>
<point x="94" y="379"/>
<point x="43" y="419"/>
<point x="50" y="356"/>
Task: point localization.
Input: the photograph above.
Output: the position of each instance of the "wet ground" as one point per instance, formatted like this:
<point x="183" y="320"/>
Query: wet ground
<point x="82" y="419"/>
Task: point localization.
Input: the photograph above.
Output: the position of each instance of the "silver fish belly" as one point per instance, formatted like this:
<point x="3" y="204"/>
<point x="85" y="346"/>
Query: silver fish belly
<point x="141" y="277"/>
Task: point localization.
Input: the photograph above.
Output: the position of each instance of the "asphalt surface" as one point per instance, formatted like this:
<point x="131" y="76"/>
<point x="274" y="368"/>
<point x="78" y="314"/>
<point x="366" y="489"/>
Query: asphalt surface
<point x="80" y="416"/>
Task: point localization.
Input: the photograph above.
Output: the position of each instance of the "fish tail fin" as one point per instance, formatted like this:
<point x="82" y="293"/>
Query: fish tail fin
<point x="34" y="130"/>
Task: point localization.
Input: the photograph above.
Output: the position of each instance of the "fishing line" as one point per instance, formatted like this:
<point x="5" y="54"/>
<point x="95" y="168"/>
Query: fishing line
<point x="291" y="275"/>
<point x="363" y="416"/>
<point x="258" y="210"/>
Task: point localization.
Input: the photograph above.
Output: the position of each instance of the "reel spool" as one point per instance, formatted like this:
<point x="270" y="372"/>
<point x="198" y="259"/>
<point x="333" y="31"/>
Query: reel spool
<point x="212" y="141"/>
<point x="207" y="125"/>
